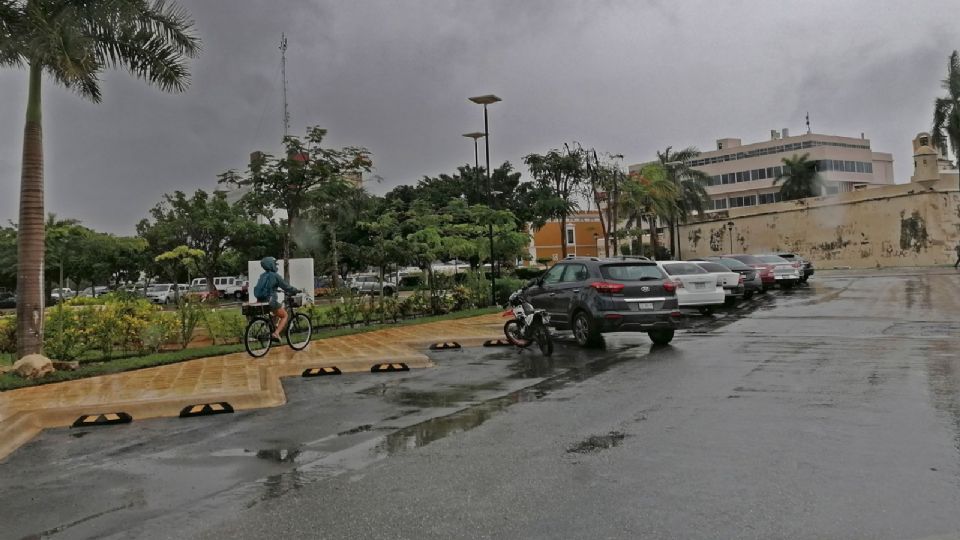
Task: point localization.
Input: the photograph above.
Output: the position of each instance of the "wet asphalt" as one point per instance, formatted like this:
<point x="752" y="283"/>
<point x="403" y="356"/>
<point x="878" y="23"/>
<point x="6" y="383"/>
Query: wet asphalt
<point x="828" y="411"/>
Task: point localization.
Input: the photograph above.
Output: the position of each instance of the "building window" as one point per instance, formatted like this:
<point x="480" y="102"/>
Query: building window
<point x="570" y="235"/>
<point x="832" y="190"/>
<point x="868" y="168"/>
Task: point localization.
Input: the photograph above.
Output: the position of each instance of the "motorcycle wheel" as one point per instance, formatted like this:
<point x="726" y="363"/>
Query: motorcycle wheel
<point x="514" y="335"/>
<point x="542" y="336"/>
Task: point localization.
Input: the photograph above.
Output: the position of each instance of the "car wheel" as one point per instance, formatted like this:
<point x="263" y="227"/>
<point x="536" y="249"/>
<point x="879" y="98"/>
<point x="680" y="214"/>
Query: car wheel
<point x="238" y="295"/>
<point x="584" y="330"/>
<point x="730" y="301"/>
<point x="354" y="290"/>
<point x="388" y="291"/>
<point x="748" y="295"/>
<point x="661" y="336"/>
<point x="786" y="285"/>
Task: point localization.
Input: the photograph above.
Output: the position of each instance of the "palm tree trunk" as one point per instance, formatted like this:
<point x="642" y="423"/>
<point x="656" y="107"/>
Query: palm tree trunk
<point x="30" y="234"/>
<point x="563" y="237"/>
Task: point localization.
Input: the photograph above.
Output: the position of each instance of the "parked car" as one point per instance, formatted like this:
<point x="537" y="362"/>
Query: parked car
<point x="696" y="288"/>
<point x="732" y="282"/>
<point x="228" y="287"/>
<point x="201" y="293"/>
<point x="371" y="284"/>
<point x="765" y="269"/>
<point x="806" y="266"/>
<point x="785" y="273"/>
<point x="164" y="293"/>
<point x="752" y="283"/>
<point x="592" y="296"/>
<point x="8" y="300"/>
<point x="322" y="286"/>
<point x="94" y="292"/>
<point x="65" y="293"/>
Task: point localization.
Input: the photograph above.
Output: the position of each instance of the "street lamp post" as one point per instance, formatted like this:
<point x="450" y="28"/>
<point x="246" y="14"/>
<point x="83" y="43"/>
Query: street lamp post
<point x="730" y="226"/>
<point x="485" y="100"/>
<point x="476" y="155"/>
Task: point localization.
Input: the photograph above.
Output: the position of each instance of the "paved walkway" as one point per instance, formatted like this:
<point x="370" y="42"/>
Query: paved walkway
<point x="238" y="379"/>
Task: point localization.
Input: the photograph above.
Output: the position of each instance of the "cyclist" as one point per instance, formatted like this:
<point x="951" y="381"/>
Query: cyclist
<point x="266" y="292"/>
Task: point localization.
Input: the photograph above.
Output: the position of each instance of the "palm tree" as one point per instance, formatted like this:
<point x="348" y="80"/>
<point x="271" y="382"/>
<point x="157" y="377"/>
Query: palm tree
<point x="74" y="42"/>
<point x="800" y="178"/>
<point x="946" y="111"/>
<point x="691" y="187"/>
<point x="647" y="195"/>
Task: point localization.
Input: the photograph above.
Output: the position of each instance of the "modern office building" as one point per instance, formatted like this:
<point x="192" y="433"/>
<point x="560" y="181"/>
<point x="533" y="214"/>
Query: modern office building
<point x="743" y="174"/>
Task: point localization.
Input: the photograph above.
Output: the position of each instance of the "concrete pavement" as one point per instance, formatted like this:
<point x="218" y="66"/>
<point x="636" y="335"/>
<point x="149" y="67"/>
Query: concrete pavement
<point x="238" y="379"/>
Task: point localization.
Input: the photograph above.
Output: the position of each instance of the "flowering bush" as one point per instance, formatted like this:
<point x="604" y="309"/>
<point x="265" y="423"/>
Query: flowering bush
<point x="8" y="335"/>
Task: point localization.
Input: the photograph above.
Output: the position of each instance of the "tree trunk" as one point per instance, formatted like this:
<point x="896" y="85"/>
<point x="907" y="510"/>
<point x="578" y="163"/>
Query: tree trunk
<point x="653" y="236"/>
<point x="563" y="236"/>
<point x="30" y="234"/>
<point x="335" y="275"/>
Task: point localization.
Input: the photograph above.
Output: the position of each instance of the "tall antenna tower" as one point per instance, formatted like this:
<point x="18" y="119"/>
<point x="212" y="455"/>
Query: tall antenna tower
<point x="283" y="70"/>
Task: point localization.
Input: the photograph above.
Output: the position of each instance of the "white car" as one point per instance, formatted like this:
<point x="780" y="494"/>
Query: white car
<point x="732" y="282"/>
<point x="164" y="293"/>
<point x="62" y="294"/>
<point x="696" y="288"/>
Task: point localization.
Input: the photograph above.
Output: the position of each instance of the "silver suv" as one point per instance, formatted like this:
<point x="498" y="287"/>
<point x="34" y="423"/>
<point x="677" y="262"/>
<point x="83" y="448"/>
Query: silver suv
<point x="372" y="285"/>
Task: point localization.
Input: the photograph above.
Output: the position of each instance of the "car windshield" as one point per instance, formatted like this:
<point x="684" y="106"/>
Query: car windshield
<point x="683" y="268"/>
<point x="734" y="264"/>
<point x="747" y="259"/>
<point x="631" y="272"/>
<point x="773" y="259"/>
<point x="790" y="256"/>
<point x="713" y="267"/>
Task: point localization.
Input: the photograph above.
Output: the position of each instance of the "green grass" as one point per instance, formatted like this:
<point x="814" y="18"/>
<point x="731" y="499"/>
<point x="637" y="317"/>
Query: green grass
<point x="10" y="381"/>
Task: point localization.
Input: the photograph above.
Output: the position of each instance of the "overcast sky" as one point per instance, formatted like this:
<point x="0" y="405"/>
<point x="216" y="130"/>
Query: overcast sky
<point x="626" y="77"/>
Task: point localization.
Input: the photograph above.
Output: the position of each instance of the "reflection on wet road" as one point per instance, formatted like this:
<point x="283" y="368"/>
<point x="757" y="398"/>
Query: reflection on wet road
<point x="826" y="411"/>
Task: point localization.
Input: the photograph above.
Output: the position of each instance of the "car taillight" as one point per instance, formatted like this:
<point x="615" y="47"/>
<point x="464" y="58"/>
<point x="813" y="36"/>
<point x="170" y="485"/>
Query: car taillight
<point x="603" y="287"/>
<point x="672" y="286"/>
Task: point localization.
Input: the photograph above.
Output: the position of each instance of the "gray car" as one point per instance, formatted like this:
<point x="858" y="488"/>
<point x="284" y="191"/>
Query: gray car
<point x="592" y="296"/>
<point x="752" y="284"/>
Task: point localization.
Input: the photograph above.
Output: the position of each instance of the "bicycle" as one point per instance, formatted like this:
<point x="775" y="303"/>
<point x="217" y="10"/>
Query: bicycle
<point x="256" y="337"/>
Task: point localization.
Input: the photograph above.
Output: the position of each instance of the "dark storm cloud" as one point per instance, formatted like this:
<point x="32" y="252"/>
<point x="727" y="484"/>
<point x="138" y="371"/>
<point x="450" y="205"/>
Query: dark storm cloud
<point x="626" y="77"/>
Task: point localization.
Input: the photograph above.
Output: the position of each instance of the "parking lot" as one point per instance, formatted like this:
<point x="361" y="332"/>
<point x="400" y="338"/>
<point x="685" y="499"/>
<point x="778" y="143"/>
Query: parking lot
<point x="831" y="410"/>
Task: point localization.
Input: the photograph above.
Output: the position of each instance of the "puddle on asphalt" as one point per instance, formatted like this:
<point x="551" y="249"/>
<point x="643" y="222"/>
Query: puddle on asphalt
<point x="454" y="395"/>
<point x="596" y="443"/>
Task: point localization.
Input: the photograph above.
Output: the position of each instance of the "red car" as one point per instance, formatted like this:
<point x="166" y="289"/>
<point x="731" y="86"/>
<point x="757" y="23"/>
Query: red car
<point x="766" y="269"/>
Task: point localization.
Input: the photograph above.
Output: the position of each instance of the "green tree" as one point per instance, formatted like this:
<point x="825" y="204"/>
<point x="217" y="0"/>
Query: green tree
<point x="179" y="257"/>
<point x="800" y="178"/>
<point x="74" y="42"/>
<point x="291" y="183"/>
<point x="691" y="188"/>
<point x="205" y="222"/>
<point x="646" y="196"/>
<point x="559" y="180"/>
<point x="946" y="111"/>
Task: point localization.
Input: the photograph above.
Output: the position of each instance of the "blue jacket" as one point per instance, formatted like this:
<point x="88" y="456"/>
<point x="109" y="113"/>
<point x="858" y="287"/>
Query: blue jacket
<point x="270" y="281"/>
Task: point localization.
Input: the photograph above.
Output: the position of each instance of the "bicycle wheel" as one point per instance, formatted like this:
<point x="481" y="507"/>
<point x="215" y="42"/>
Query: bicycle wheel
<point x="512" y="330"/>
<point x="299" y="330"/>
<point x="256" y="339"/>
<point x="542" y="336"/>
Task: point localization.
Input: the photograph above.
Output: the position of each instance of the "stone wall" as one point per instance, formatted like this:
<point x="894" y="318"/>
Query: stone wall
<point x="901" y="225"/>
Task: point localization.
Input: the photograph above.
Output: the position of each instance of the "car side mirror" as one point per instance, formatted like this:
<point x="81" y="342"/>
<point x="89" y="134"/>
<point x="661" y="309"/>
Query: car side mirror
<point x="535" y="282"/>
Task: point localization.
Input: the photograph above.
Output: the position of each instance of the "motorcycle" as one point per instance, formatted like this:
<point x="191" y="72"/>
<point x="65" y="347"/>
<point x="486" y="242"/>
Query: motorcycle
<point x="528" y="325"/>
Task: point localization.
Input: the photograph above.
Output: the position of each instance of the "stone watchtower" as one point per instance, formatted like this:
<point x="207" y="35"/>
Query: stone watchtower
<point x="926" y="167"/>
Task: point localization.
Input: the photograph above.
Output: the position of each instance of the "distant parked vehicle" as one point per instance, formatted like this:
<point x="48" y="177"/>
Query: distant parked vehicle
<point x="65" y="293"/>
<point x="696" y="288"/>
<point x="229" y="287"/>
<point x="752" y="283"/>
<point x="732" y="282"/>
<point x="785" y="273"/>
<point x="371" y="284"/>
<point x="94" y="292"/>
<point x="765" y="269"/>
<point x="8" y="300"/>
<point x="201" y="293"/>
<point x="164" y="293"/>
<point x="806" y="267"/>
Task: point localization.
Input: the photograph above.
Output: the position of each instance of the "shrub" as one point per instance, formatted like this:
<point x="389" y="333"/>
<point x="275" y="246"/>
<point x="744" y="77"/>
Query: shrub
<point x="527" y="274"/>
<point x="8" y="335"/>
<point x="225" y="325"/>
<point x="505" y="287"/>
<point x="188" y="316"/>
<point x="162" y="328"/>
